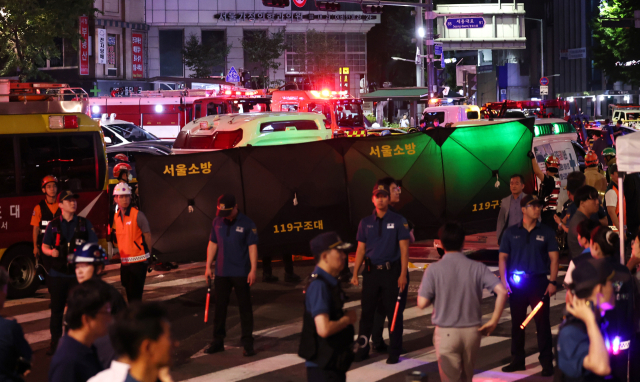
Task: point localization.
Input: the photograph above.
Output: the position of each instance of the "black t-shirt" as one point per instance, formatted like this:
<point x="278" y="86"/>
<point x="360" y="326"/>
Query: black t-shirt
<point x="73" y="362"/>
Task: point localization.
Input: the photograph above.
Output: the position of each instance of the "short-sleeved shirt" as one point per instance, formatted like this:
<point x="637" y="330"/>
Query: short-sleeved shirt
<point x="573" y="347"/>
<point x="572" y="236"/>
<point x="611" y="198"/>
<point x="233" y="239"/>
<point x="142" y="221"/>
<point x="67" y="230"/>
<point x="12" y="346"/>
<point x="572" y="208"/>
<point x="73" y="362"/>
<point x="318" y="298"/>
<point x="585" y="255"/>
<point x="607" y="134"/>
<point x="382" y="236"/>
<point x="529" y="250"/>
<point x="36" y="216"/>
<point x="515" y="211"/>
<point x="454" y="284"/>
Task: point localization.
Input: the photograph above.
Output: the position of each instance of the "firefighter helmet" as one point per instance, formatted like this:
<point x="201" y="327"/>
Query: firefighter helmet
<point x="591" y="159"/>
<point x="119" y="167"/>
<point x="552" y="162"/>
<point x="121" y="157"/>
<point x="122" y="189"/>
<point x="49" y="179"/>
<point x="609" y="151"/>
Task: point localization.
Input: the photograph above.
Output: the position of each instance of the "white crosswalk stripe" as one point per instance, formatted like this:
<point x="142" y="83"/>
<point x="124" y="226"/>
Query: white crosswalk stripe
<point x="252" y="369"/>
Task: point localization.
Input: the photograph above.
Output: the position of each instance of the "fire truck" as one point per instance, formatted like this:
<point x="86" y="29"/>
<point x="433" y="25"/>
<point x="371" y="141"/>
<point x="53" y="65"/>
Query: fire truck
<point x="628" y="114"/>
<point x="343" y="113"/>
<point x="45" y="129"/>
<point x="517" y="109"/>
<point x="164" y="113"/>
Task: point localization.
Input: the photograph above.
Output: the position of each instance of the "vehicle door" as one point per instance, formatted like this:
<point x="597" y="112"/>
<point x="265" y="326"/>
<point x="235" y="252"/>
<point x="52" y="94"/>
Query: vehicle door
<point x="289" y="132"/>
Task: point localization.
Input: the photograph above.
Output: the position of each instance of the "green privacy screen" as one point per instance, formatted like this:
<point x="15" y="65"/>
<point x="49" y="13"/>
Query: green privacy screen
<point x="295" y="192"/>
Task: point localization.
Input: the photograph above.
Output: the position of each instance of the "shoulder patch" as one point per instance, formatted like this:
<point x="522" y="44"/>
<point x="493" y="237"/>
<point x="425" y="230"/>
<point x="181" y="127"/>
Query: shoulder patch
<point x="406" y="225"/>
<point x="254" y="230"/>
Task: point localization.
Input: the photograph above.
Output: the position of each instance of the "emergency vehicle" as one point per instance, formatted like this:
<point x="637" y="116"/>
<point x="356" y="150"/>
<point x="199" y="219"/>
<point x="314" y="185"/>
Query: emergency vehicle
<point x="342" y="112"/>
<point x="628" y="114"/>
<point x="164" y="113"/>
<point x="518" y="109"/>
<point x="45" y="130"/>
<point x="450" y="114"/>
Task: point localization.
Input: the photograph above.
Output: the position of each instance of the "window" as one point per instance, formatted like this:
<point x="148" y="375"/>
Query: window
<point x="254" y="67"/>
<point x="132" y="133"/>
<point x="112" y="55"/>
<point x="112" y="136"/>
<point x="289" y="107"/>
<point x="321" y="108"/>
<point x="214" y="38"/>
<point x="171" y="53"/>
<point x="288" y="125"/>
<point x="349" y="50"/>
<point x="7" y="167"/>
<point x="356" y="42"/>
<point x="249" y="106"/>
<point x="349" y="115"/>
<point x="215" y="108"/>
<point x="69" y="157"/>
<point x="472" y="115"/>
<point x="430" y="117"/>
<point x="68" y="56"/>
<point x="197" y="111"/>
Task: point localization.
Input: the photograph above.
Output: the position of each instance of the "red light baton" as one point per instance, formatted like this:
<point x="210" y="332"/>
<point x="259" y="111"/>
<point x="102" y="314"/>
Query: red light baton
<point x="395" y="313"/>
<point x="533" y="313"/>
<point x="206" y="307"/>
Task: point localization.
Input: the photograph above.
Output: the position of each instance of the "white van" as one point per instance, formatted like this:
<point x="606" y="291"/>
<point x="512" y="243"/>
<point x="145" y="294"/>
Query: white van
<point x="450" y="114"/>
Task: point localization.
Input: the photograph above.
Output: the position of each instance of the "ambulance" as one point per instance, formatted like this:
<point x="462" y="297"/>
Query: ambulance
<point x="628" y="114"/>
<point x="343" y="113"/>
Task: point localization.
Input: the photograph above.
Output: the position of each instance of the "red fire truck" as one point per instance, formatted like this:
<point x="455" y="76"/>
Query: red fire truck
<point x="541" y="109"/>
<point x="164" y="113"/>
<point x="343" y="113"/>
<point x="45" y="130"/>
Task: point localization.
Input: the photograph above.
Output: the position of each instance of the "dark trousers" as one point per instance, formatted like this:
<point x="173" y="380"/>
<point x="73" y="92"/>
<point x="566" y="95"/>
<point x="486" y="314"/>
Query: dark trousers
<point x="620" y="365"/>
<point x="528" y="293"/>
<point x="382" y="285"/>
<point x="378" y="325"/>
<point x="59" y="288"/>
<point x="133" y="277"/>
<point x="287" y="259"/>
<point x="223" y="286"/>
<point x="316" y="374"/>
<point x="634" y="356"/>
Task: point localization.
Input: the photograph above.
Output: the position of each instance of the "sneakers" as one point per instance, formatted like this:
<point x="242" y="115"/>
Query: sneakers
<point x="393" y="359"/>
<point x="214" y="348"/>
<point x="547" y="370"/>
<point x="248" y="352"/>
<point x="513" y="367"/>
<point x="267" y="278"/>
<point x="53" y="345"/>
<point x="291" y="278"/>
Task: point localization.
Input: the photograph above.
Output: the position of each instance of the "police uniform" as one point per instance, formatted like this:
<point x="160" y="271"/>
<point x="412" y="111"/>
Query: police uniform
<point x="529" y="261"/>
<point x="231" y="270"/>
<point x="64" y="236"/>
<point x="549" y="192"/>
<point x="381" y="272"/>
<point x="129" y="225"/>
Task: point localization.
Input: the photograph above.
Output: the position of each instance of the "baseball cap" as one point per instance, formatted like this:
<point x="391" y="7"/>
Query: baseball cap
<point x="226" y="203"/>
<point x="589" y="273"/>
<point x="530" y="200"/>
<point x="66" y="195"/>
<point x="327" y="241"/>
<point x="381" y="189"/>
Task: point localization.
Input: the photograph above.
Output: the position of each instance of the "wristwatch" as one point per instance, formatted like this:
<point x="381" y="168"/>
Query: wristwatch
<point x="554" y="283"/>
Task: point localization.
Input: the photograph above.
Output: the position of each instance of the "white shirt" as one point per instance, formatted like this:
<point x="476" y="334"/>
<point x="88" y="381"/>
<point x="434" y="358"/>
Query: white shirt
<point x="568" y="279"/>
<point x="117" y="372"/>
<point x="611" y="198"/>
<point x="404" y="123"/>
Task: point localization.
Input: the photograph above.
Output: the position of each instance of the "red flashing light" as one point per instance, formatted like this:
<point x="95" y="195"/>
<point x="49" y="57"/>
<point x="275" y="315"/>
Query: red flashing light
<point x="227" y="92"/>
<point x="70" y="122"/>
<point x="238" y="93"/>
<point x="325" y="93"/>
<point x="226" y="139"/>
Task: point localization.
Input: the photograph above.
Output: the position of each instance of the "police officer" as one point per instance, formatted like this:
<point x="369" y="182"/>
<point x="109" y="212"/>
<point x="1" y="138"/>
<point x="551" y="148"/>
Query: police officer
<point x="61" y="237"/>
<point x="549" y="188"/>
<point x="43" y="213"/>
<point x="383" y="244"/>
<point x="134" y="235"/>
<point x="617" y="131"/>
<point x="582" y="353"/>
<point x="15" y="352"/>
<point x="233" y="244"/>
<point x="528" y="253"/>
<point x="327" y="330"/>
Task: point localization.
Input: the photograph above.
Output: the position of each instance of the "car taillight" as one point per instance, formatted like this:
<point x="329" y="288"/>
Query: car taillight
<point x="70" y="122"/>
<point x="226" y="139"/>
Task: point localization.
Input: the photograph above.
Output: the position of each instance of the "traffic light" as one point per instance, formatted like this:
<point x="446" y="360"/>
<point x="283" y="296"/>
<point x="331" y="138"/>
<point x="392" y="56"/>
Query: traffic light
<point x="276" y="3"/>
<point x="329" y="6"/>
<point x="369" y="9"/>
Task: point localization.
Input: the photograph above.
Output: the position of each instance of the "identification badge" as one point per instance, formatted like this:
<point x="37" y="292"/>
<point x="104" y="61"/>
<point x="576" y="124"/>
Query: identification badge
<point x="239" y="229"/>
<point x="540" y="238"/>
<point x="390" y="226"/>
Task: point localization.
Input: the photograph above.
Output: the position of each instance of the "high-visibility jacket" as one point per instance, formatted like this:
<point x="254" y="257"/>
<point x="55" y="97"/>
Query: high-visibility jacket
<point x="624" y="200"/>
<point x="129" y="236"/>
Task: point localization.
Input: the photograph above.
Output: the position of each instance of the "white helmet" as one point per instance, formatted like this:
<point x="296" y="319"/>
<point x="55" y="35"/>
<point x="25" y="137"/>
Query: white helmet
<point x="122" y="189"/>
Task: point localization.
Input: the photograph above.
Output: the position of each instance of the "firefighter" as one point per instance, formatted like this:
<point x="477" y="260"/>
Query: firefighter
<point x="609" y="155"/>
<point x="43" y="213"/>
<point x="549" y="188"/>
<point x="61" y="237"/>
<point x="592" y="174"/>
<point x="133" y="235"/>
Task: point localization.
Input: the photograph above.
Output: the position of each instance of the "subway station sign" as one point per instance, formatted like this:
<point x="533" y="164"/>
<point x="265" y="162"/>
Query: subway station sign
<point x="289" y="17"/>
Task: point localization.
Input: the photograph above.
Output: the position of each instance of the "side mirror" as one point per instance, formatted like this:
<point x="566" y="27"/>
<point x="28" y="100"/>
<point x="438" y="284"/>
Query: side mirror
<point x="107" y="140"/>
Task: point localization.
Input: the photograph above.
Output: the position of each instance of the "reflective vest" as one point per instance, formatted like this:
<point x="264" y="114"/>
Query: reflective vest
<point x="549" y="192"/>
<point x="624" y="200"/>
<point x="129" y="235"/>
<point x="66" y="248"/>
<point x="45" y="218"/>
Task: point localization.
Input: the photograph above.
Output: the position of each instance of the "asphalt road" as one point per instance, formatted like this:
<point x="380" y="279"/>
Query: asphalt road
<point x="278" y="310"/>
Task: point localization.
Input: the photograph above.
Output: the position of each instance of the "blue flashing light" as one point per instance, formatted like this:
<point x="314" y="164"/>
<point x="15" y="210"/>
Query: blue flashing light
<point x="516" y="279"/>
<point x="615" y="348"/>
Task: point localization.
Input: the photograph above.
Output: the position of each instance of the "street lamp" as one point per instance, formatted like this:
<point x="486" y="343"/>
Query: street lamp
<point x="401" y="59"/>
<point x="421" y="32"/>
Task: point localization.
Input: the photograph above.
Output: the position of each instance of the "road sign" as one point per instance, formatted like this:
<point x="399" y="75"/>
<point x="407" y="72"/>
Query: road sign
<point x="544" y="81"/>
<point x="465" y="23"/>
<point x="232" y="76"/>
<point x="438" y="48"/>
<point x="544" y="90"/>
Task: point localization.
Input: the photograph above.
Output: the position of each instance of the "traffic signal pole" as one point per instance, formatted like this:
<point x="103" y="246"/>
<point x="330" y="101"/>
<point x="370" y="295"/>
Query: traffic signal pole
<point x="419" y="48"/>
<point x="430" y="46"/>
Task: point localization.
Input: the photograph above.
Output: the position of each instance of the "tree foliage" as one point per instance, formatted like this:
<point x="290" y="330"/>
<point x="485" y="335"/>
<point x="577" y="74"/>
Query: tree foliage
<point x="201" y="57"/>
<point x="265" y="49"/>
<point x="29" y="29"/>
<point x="314" y="56"/>
<point x="617" y="44"/>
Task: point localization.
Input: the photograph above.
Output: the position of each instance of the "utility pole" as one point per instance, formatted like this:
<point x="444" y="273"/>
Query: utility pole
<point x="419" y="47"/>
<point x="430" y="51"/>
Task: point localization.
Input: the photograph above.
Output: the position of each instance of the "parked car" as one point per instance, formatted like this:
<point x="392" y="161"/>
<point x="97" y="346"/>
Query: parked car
<point x="119" y="132"/>
<point x="219" y="132"/>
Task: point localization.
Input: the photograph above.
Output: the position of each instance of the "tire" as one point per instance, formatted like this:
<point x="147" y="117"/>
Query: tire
<point x="23" y="279"/>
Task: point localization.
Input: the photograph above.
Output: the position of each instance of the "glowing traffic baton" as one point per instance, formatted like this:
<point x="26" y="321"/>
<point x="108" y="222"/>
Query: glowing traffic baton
<point x="395" y="314"/>
<point x="533" y="313"/>
<point x="206" y="308"/>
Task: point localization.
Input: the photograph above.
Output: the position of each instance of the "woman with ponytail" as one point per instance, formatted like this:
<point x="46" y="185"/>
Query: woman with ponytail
<point x="605" y="244"/>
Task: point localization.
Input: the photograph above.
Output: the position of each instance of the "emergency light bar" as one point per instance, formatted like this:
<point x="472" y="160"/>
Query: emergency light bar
<point x="58" y="122"/>
<point x="553" y="129"/>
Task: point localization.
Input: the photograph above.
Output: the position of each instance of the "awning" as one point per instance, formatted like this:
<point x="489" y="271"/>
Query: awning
<point x="121" y="24"/>
<point x="396" y="94"/>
